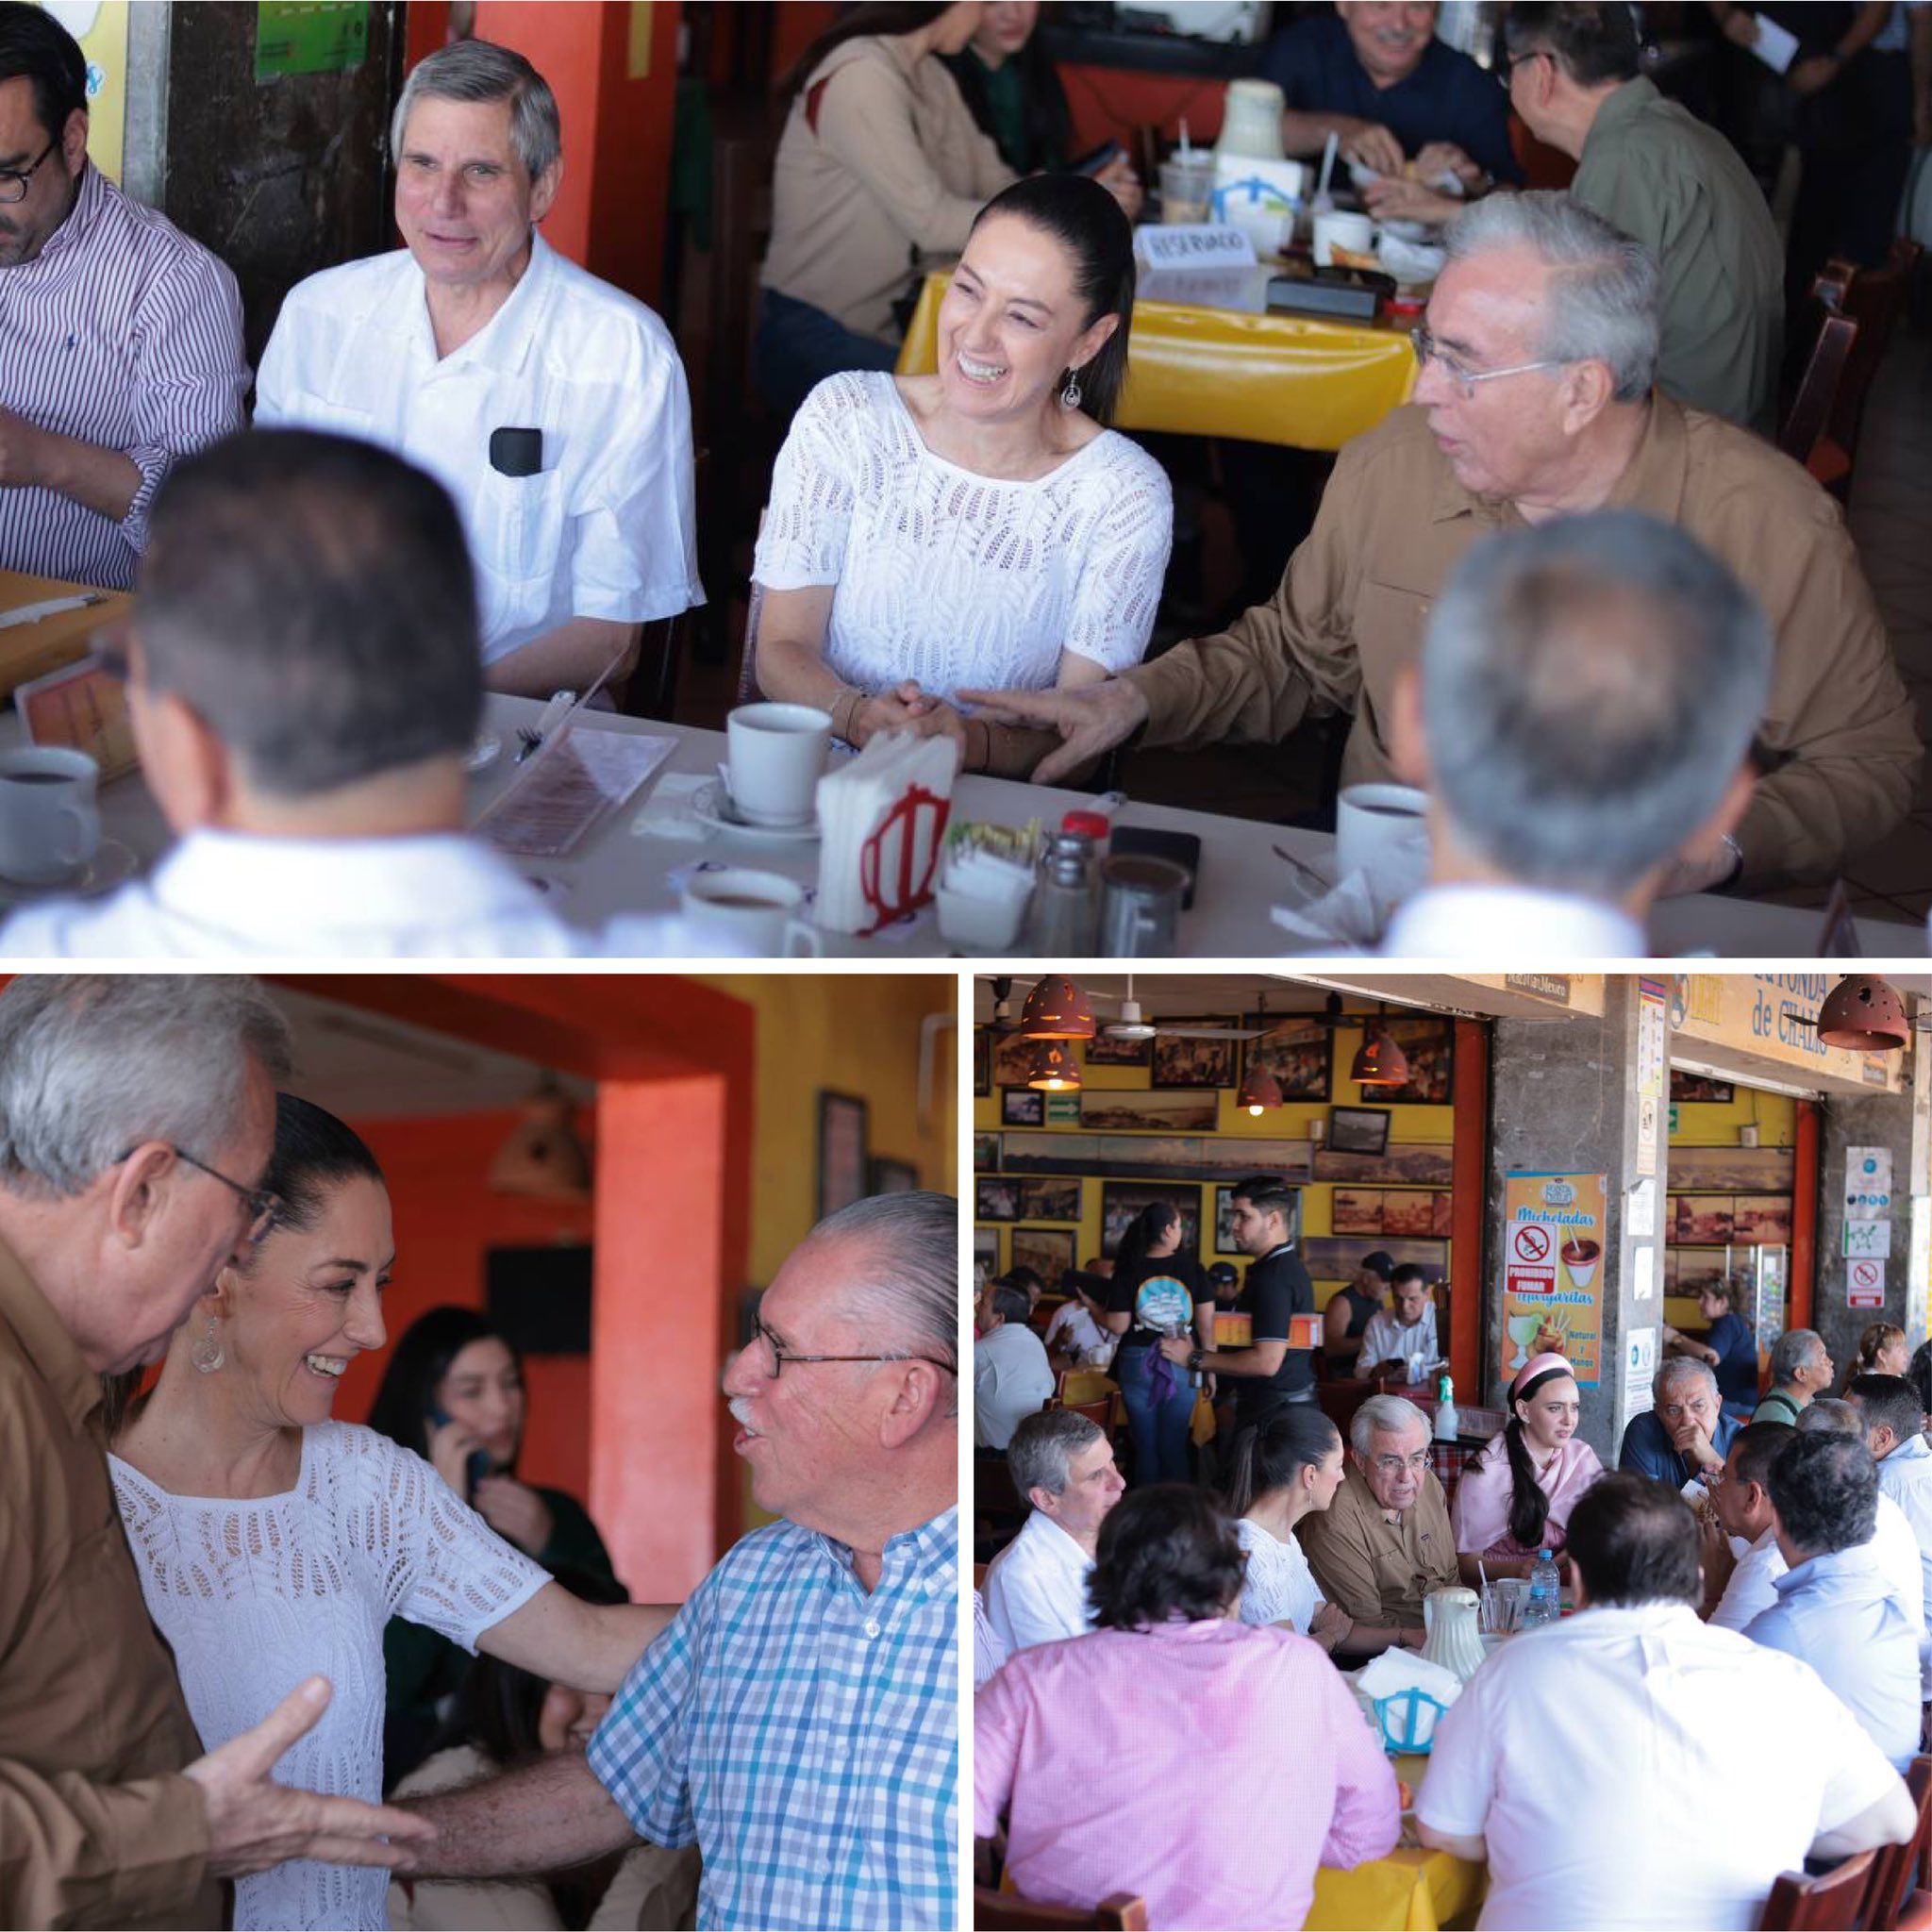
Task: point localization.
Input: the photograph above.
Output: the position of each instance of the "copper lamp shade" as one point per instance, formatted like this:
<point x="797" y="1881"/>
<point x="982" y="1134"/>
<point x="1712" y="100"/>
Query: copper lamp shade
<point x="1863" y="1015"/>
<point x="1378" y="1061"/>
<point x="1057" y="1009"/>
<point x="1055" y="1070"/>
<point x="1259" y="1091"/>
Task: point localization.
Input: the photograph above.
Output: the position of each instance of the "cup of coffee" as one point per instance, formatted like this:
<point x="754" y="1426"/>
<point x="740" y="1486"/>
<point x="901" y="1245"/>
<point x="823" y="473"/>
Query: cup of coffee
<point x="49" y="824"/>
<point x="776" y="753"/>
<point x="1335" y="228"/>
<point x="758" y="911"/>
<point x="1579" y="1261"/>
<point x="1383" y="830"/>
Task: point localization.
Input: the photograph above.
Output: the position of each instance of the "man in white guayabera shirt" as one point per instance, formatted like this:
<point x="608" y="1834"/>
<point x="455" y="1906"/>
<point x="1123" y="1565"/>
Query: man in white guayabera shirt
<point x="1580" y="1742"/>
<point x="1036" y="1588"/>
<point x="550" y="405"/>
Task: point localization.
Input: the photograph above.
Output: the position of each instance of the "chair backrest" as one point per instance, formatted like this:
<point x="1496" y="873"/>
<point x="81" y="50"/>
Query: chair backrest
<point x="1811" y="408"/>
<point x="1873" y="298"/>
<point x="1006" y="1911"/>
<point x="748" y="692"/>
<point x="1829" y="1904"/>
<point x="1900" y="1869"/>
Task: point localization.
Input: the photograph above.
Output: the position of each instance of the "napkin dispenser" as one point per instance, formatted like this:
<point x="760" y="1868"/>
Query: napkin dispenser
<point x="882" y="821"/>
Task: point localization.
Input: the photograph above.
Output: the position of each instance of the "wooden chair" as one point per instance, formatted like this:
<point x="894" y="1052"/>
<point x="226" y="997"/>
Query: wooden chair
<point x="1804" y="435"/>
<point x="1873" y="299"/>
<point x="1900" y="1870"/>
<point x="1006" y="1911"/>
<point x="1829" y="1903"/>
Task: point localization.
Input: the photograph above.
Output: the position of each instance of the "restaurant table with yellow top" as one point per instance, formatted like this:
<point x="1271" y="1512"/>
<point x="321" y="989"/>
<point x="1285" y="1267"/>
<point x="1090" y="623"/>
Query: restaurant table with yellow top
<point x="1412" y="1889"/>
<point x="1199" y="370"/>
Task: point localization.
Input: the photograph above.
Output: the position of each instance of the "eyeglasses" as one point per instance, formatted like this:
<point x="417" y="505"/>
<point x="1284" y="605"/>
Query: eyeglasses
<point x="264" y="1206"/>
<point x="1394" y="1465"/>
<point x="14" y="182"/>
<point x="1424" y="343"/>
<point x="1507" y="72"/>
<point x="780" y="1356"/>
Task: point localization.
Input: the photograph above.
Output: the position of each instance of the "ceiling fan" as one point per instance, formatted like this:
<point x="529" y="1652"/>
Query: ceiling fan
<point x="1132" y="1024"/>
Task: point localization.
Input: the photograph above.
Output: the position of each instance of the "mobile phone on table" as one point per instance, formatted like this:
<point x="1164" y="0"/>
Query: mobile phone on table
<point x="475" y="1464"/>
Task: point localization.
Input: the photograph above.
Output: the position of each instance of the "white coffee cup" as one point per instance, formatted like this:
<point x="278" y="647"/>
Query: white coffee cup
<point x="777" y="754"/>
<point x="49" y="824"/>
<point x="1382" y="830"/>
<point x="758" y="910"/>
<point x="1337" y="228"/>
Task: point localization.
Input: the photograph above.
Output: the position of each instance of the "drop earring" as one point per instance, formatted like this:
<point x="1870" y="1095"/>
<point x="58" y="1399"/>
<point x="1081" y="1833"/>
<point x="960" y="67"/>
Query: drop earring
<point x="1070" y="396"/>
<point x="205" y="1352"/>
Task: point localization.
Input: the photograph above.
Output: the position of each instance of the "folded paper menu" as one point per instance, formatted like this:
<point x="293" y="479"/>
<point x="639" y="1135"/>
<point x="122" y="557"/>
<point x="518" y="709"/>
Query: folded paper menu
<point x="882" y="817"/>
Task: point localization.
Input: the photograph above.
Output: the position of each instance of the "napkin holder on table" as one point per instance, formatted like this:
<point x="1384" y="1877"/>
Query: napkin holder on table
<point x="882" y="819"/>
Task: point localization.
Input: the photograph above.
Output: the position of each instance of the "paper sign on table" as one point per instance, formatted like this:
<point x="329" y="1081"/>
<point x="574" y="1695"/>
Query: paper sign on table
<point x="1193" y="244"/>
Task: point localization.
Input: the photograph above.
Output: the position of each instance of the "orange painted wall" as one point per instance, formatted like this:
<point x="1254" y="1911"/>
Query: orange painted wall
<point x="447" y="1220"/>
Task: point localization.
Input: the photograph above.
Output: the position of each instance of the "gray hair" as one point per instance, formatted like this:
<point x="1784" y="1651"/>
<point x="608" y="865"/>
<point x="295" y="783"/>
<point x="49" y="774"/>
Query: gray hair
<point x="1830" y="1415"/>
<point x="1384" y="1415"/>
<point x="1680" y="1368"/>
<point x="91" y="1065"/>
<point x="482" y="71"/>
<point x="1605" y="303"/>
<point x="907" y="1291"/>
<point x="1042" y="1448"/>
<point x="1790" y="1352"/>
<point x="1589" y="688"/>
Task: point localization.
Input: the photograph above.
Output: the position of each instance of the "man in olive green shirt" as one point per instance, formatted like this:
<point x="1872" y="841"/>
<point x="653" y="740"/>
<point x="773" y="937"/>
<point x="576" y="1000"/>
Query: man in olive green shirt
<point x="1535" y="402"/>
<point x="1668" y="180"/>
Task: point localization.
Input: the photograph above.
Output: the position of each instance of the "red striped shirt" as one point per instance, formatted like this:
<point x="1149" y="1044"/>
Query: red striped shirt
<point x="127" y="335"/>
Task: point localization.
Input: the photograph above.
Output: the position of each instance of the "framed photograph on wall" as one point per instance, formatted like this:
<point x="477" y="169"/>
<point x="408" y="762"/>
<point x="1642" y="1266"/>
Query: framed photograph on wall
<point x="1022" y="1106"/>
<point x="1102" y="1052"/>
<point x="986" y="1248"/>
<point x="1701" y="1088"/>
<point x="1224" y="1222"/>
<point x="1299" y="1053"/>
<point x="1429" y="1045"/>
<point x="1358" y="1129"/>
<point x="1196" y="1062"/>
<point x="982" y="1060"/>
<point x="1354" y="1210"/>
<point x="1049" y="1251"/>
<point x="1013" y="1059"/>
<point x="889" y="1176"/>
<point x="1195" y="1111"/>
<point x="1050" y="1200"/>
<point x="986" y="1153"/>
<point x="1120" y="1201"/>
<point x="841" y="1151"/>
<point x="996" y="1197"/>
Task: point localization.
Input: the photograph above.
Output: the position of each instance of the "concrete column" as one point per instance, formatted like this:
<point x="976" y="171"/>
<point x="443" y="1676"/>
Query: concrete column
<point x="1877" y="1119"/>
<point x="1564" y="1099"/>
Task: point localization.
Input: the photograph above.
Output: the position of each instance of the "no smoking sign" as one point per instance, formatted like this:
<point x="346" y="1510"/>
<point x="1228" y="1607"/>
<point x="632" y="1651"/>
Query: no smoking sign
<point x="1531" y="1267"/>
<point x="1865" y="1284"/>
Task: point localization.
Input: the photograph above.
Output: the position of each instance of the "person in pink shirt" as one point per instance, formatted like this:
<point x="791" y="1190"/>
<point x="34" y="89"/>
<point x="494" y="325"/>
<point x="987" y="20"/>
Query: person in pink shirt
<point x="1516" y="1496"/>
<point x="1093" y="1750"/>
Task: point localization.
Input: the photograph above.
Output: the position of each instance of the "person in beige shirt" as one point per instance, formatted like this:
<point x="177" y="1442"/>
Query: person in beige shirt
<point x="1534" y="401"/>
<point x="1385" y="1543"/>
<point x="136" y="1116"/>
<point x="879" y="173"/>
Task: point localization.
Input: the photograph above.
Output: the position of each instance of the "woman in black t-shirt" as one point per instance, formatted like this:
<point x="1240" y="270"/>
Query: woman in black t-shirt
<point x="1154" y="1292"/>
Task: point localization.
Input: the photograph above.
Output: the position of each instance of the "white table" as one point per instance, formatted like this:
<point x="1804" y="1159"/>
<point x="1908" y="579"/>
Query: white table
<point x="618" y="869"/>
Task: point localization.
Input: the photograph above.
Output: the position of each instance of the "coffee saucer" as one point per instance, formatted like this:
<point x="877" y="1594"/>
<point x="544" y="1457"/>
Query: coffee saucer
<point x="711" y="803"/>
<point x="113" y="864"/>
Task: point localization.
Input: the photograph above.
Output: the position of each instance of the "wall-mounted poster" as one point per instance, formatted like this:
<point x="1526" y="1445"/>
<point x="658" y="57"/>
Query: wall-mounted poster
<point x="996" y="1197"/>
<point x="1429" y="1046"/>
<point x="1196" y="1062"/>
<point x="1194" y="1112"/>
<point x="1048" y="1251"/>
<point x="1022" y="1106"/>
<point x="1121" y="1201"/>
<point x="1050" y="1200"/>
<point x="1554" y="1229"/>
<point x="1299" y="1053"/>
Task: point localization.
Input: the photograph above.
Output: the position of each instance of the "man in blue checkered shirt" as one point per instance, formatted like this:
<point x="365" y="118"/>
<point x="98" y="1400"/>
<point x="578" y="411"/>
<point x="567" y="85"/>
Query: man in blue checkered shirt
<point x="799" y="1720"/>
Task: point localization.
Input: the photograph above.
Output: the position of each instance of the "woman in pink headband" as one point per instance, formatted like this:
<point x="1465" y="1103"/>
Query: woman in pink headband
<point x="1516" y="1496"/>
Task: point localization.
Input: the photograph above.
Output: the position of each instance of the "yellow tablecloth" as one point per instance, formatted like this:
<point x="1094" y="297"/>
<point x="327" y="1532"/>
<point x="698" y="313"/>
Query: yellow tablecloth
<point x="1407" y="1892"/>
<point x="1219" y="371"/>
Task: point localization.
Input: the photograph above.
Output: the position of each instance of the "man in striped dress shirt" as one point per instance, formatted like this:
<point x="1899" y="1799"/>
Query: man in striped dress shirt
<point x="799" y="1721"/>
<point x="120" y="338"/>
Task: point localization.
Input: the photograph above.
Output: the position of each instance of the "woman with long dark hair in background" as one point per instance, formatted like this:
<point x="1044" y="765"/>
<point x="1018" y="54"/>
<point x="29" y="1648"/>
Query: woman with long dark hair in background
<point x="1157" y="1291"/>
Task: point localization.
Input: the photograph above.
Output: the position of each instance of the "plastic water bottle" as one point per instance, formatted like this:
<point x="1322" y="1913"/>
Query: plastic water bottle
<point x="1446" y="1422"/>
<point x="1545" y="1604"/>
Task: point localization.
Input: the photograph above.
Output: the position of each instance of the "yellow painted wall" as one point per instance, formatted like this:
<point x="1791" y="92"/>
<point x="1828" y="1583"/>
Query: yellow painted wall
<point x="1712" y="1123"/>
<point x="1410" y="1125"/>
<point x="856" y="1033"/>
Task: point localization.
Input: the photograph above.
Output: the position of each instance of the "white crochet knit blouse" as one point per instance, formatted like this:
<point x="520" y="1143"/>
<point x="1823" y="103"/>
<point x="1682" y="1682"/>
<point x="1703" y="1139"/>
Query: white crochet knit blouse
<point x="256" y="1595"/>
<point x="955" y="578"/>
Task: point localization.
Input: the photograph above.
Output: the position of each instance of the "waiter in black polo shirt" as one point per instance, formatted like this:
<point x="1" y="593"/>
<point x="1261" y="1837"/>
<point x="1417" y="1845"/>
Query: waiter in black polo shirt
<point x="1267" y="1373"/>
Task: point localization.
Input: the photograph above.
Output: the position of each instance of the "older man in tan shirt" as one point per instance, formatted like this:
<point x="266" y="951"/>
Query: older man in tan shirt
<point x="137" y="1115"/>
<point x="1535" y="401"/>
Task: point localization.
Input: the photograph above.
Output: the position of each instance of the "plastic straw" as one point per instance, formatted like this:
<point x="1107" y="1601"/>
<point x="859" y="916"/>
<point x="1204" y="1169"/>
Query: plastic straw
<point x="1187" y="152"/>
<point x="1328" y="148"/>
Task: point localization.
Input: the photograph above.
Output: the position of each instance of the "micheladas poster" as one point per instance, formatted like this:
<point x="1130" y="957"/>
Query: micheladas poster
<point x="1552" y="1270"/>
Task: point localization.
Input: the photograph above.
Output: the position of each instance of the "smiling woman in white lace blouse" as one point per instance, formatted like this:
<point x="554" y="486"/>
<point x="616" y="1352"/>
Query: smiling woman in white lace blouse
<point x="978" y="526"/>
<point x="273" y="1543"/>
